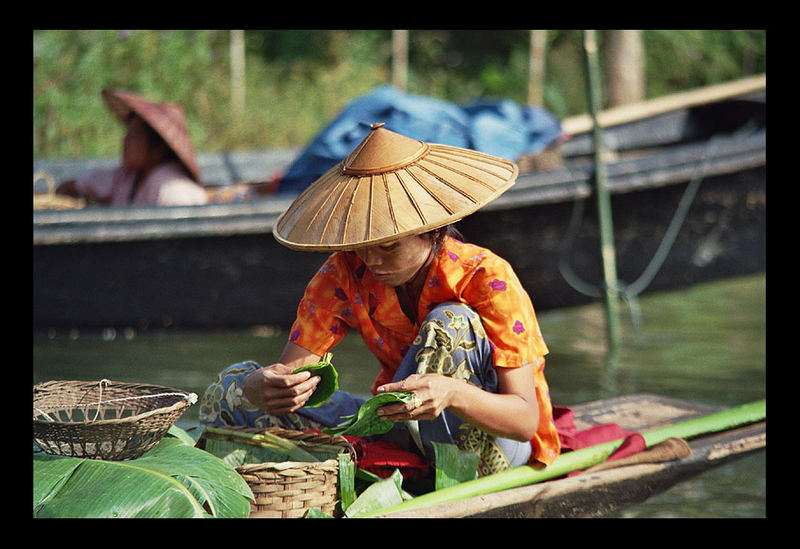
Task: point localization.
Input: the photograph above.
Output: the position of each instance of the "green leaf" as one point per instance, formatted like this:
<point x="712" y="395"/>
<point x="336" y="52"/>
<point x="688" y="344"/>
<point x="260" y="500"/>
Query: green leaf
<point x="50" y="473"/>
<point x="172" y="480"/>
<point x="366" y="422"/>
<point x="384" y="493"/>
<point x="180" y="434"/>
<point x="347" y="480"/>
<point x="316" y="512"/>
<point x="328" y="385"/>
<point x="453" y="465"/>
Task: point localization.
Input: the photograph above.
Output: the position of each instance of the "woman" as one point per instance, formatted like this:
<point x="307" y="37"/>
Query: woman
<point x="448" y="321"/>
<point x="158" y="161"/>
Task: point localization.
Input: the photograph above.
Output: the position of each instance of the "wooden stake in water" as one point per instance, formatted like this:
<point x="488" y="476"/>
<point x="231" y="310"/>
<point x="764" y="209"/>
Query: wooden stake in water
<point x="607" y="248"/>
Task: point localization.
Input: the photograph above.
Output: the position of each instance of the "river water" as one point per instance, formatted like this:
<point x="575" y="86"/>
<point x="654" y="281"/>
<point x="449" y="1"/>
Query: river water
<point x="706" y="344"/>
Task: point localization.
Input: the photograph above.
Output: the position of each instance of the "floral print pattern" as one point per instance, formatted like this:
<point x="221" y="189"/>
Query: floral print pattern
<point x="224" y="404"/>
<point x="439" y="343"/>
<point x="452" y="342"/>
<point x="461" y="272"/>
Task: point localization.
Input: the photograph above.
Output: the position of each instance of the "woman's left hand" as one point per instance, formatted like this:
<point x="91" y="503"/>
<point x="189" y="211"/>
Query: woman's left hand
<point x="432" y="394"/>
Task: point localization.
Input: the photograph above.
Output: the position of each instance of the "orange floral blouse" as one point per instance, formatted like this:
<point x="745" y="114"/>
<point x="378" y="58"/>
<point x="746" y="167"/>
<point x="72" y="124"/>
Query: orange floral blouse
<point x="344" y="295"/>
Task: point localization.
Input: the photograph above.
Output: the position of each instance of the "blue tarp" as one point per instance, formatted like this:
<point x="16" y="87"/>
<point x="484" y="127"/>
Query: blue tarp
<point x="500" y="128"/>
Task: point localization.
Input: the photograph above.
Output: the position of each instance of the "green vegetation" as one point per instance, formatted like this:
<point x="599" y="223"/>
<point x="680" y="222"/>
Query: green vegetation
<point x="298" y="80"/>
<point x="173" y="480"/>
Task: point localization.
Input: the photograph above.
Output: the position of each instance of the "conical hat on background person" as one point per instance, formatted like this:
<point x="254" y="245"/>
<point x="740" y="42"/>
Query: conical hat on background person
<point x="167" y="119"/>
<point x="389" y="187"/>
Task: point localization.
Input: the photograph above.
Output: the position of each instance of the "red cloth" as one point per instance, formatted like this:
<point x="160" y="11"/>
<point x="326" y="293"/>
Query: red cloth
<point x="382" y="458"/>
<point x="573" y="439"/>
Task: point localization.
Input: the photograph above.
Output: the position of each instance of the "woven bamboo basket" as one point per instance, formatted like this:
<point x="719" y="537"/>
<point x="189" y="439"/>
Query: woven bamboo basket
<point x="290" y="488"/>
<point x="50" y="200"/>
<point x="104" y="419"/>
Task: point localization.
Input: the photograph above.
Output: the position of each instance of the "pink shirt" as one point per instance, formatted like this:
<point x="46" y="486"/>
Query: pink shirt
<point x="166" y="185"/>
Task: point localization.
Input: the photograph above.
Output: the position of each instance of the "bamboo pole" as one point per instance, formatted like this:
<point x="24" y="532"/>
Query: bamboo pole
<point x="583" y="458"/>
<point x="400" y="59"/>
<point x="605" y="218"/>
<point x="624" y="55"/>
<point x="536" y="67"/>
<point x="237" y="73"/>
<point x="652" y="107"/>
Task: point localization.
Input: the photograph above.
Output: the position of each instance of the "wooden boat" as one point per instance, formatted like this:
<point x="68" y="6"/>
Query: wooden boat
<point x="599" y="493"/>
<point x="687" y="179"/>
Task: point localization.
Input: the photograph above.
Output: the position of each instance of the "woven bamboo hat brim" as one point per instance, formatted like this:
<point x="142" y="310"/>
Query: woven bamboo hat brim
<point x="167" y="119"/>
<point x="389" y="187"/>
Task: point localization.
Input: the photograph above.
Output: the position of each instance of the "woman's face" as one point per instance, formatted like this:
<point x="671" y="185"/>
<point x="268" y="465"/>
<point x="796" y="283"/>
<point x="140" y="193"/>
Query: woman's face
<point x="395" y="263"/>
<point x="138" y="152"/>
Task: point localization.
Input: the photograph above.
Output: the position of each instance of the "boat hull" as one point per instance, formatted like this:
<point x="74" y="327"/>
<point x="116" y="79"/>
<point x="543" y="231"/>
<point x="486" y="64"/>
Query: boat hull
<point x="245" y="279"/>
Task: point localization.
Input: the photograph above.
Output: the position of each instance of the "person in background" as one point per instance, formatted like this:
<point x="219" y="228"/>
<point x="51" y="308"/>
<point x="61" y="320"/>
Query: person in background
<point x="158" y="165"/>
<point x="446" y="320"/>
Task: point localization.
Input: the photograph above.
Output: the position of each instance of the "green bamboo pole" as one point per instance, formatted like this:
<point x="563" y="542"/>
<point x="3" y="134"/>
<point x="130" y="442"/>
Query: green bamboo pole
<point x="583" y="458"/>
<point x="605" y="219"/>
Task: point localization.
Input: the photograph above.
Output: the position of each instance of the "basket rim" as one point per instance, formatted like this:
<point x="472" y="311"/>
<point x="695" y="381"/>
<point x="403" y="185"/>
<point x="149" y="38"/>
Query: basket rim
<point x="247" y="467"/>
<point x="187" y="399"/>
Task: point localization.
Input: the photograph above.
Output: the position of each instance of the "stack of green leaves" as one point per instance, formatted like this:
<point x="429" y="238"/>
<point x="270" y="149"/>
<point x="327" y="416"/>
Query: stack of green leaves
<point x="453" y="466"/>
<point x="237" y="448"/>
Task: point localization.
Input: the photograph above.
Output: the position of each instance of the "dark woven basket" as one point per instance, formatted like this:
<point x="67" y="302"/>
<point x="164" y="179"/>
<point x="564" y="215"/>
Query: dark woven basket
<point x="288" y="489"/>
<point x="106" y="420"/>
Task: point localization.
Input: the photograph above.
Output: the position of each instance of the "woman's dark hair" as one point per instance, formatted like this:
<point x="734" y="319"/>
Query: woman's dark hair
<point x="438" y="235"/>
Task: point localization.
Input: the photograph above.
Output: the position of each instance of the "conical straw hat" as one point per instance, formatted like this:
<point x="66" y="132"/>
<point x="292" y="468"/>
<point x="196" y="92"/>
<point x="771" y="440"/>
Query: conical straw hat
<point x="166" y="119"/>
<point x="389" y="187"/>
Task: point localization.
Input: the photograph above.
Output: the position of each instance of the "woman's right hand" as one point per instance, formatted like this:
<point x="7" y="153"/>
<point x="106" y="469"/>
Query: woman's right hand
<point x="276" y="390"/>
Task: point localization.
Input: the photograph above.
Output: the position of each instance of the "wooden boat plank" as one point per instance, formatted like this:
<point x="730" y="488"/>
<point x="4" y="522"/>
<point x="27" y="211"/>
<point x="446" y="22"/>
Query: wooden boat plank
<point x="574" y="182"/>
<point x="218" y="169"/>
<point x="638" y="412"/>
<point x="594" y="494"/>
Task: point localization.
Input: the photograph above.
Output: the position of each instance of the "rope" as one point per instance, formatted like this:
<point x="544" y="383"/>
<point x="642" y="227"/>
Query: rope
<point x="103" y="384"/>
<point x="674" y="227"/>
<point x="629" y="292"/>
<point x="191" y="397"/>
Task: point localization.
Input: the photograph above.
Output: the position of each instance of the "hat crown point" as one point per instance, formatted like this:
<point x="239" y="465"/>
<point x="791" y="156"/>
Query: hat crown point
<point x="383" y="151"/>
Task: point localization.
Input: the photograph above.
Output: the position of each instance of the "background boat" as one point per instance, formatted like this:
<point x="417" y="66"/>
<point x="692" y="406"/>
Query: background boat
<point x="688" y="184"/>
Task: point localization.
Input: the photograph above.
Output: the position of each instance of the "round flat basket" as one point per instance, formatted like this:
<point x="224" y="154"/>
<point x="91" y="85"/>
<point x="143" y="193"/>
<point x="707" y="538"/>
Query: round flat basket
<point x="288" y="489"/>
<point x="104" y="419"/>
